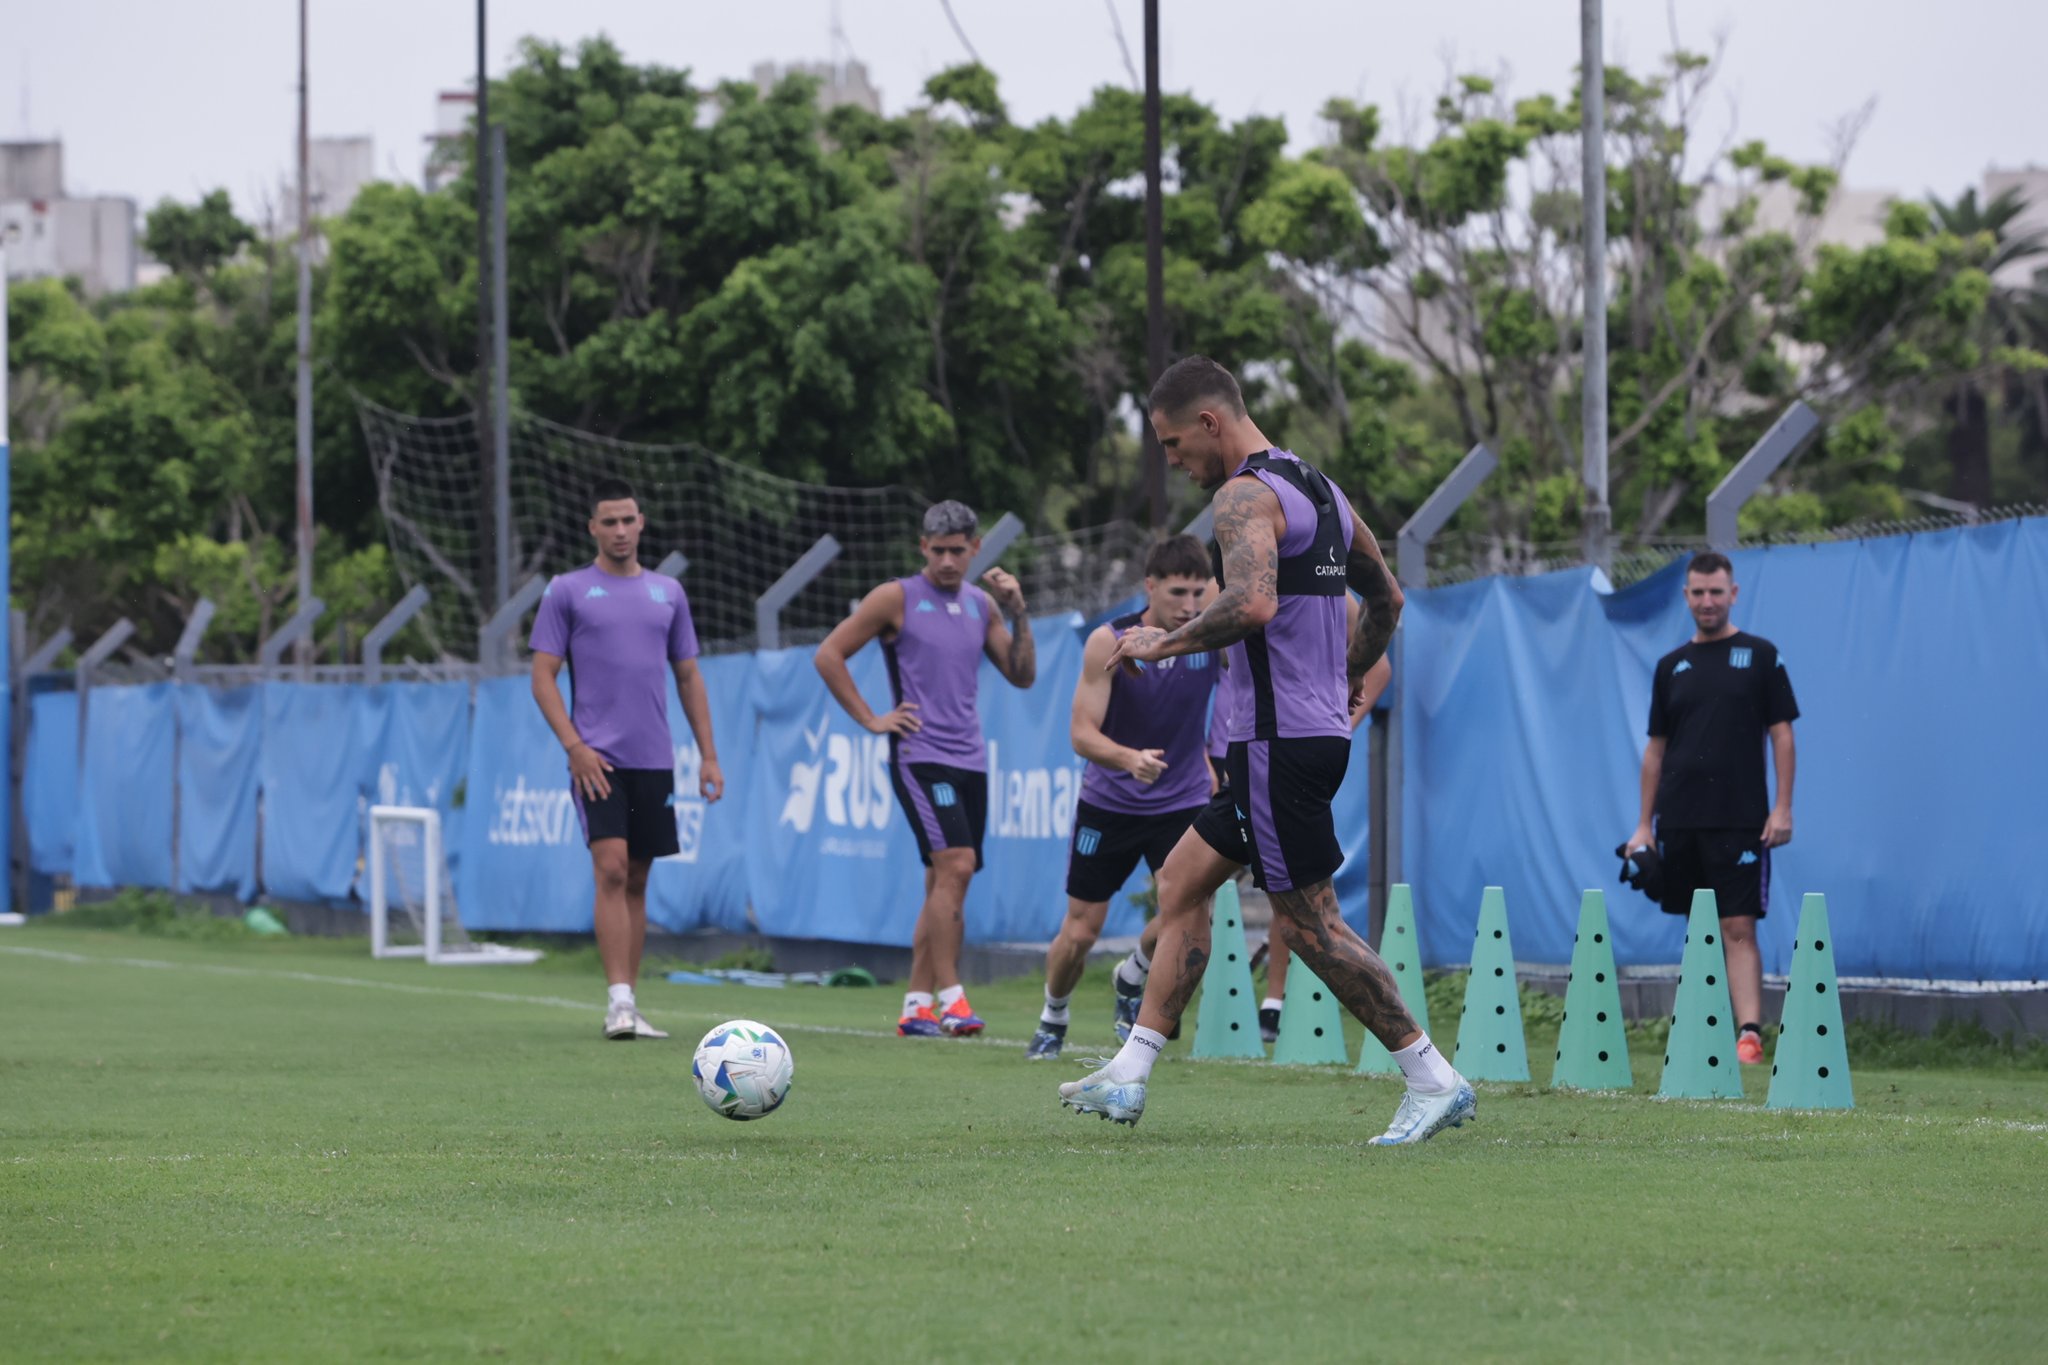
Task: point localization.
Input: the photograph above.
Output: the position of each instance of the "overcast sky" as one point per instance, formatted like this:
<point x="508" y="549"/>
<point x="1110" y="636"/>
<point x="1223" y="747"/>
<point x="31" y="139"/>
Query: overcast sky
<point x="152" y="99"/>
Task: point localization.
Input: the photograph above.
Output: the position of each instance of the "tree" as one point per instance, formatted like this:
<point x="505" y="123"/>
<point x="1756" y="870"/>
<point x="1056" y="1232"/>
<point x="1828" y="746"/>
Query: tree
<point x="196" y="240"/>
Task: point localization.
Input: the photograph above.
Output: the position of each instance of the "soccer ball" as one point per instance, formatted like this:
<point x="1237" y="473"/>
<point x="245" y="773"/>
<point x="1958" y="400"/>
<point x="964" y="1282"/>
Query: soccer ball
<point x="743" y="1069"/>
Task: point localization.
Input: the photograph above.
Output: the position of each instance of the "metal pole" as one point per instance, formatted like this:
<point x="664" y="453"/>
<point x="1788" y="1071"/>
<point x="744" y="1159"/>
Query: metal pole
<point x="1593" y="188"/>
<point x="8" y="801"/>
<point x="768" y="606"/>
<point x="1786" y="438"/>
<point x="493" y="641"/>
<point x="305" y="415"/>
<point x="999" y="538"/>
<point x="1411" y="542"/>
<point x="1155" y="270"/>
<point x="501" y="378"/>
<point x="486" y="438"/>
<point x="380" y="634"/>
<point x="96" y="654"/>
<point x="188" y="640"/>
<point x="271" y="652"/>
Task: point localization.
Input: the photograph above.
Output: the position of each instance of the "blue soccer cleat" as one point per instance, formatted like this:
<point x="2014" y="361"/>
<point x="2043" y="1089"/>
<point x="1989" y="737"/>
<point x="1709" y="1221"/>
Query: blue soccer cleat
<point x="1422" y="1117"/>
<point x="1045" y="1044"/>
<point x="1128" y="998"/>
<point x="1119" y="1102"/>
<point x="918" y="1023"/>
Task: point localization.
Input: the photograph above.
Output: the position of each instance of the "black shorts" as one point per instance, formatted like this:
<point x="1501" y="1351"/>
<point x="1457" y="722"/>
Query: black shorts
<point x="640" y="810"/>
<point x="1275" y="814"/>
<point x="1107" y="845"/>
<point x="1732" y="863"/>
<point x="947" y="806"/>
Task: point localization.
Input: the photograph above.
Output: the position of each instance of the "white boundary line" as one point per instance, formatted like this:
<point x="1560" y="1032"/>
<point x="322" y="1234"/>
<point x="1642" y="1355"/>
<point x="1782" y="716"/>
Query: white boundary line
<point x="560" y="1002"/>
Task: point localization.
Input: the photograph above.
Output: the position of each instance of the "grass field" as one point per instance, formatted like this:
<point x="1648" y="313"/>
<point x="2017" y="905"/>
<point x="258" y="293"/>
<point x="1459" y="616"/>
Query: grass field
<point x="281" y="1150"/>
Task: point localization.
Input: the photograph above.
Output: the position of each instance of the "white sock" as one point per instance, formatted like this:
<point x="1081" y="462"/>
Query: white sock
<point x="1055" y="1011"/>
<point x="950" y="994"/>
<point x="1133" y="970"/>
<point x="1134" y="1062"/>
<point x="1272" y="1002"/>
<point x="1427" y="1071"/>
<point x="621" y="993"/>
<point x="913" y="1001"/>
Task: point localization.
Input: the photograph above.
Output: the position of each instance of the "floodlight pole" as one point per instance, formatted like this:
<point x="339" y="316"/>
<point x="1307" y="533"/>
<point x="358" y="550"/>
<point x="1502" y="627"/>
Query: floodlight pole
<point x="1155" y="271"/>
<point x="305" y="322"/>
<point x="501" y="379"/>
<point x="1593" y="189"/>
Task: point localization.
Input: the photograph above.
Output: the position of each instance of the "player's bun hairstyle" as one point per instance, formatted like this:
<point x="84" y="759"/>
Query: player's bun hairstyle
<point x="611" y="490"/>
<point x="1191" y="380"/>
<point x="950" y="518"/>
<point x="1710" y="561"/>
<point x="1177" y="557"/>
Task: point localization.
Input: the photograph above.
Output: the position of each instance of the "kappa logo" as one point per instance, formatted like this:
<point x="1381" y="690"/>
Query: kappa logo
<point x="1748" y="858"/>
<point x="927" y="605"/>
<point x="1684" y="665"/>
<point x="1739" y="658"/>
<point x="1086" y="841"/>
<point x="596" y="592"/>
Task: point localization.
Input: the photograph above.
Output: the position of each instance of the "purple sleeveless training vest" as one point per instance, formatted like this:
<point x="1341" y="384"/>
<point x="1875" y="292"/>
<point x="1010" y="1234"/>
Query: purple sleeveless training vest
<point x="1164" y="706"/>
<point x="935" y="661"/>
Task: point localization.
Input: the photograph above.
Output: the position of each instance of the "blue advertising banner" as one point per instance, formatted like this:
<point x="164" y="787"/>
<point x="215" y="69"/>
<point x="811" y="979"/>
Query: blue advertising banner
<point x="413" y="739"/>
<point x="49" y="782"/>
<point x="705" y="884"/>
<point x="524" y="864"/>
<point x="311" y="774"/>
<point x="219" y="736"/>
<point x="124" y="793"/>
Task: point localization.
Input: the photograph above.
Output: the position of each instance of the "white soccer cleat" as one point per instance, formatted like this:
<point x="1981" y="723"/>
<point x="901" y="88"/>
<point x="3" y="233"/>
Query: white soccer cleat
<point x="643" y="1029"/>
<point x="1117" y="1101"/>
<point x="1422" y="1117"/>
<point x="620" y="1023"/>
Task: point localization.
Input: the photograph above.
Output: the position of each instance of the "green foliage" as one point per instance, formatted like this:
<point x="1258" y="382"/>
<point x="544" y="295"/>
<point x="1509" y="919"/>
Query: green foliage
<point x="156" y="914"/>
<point x="195" y="240"/>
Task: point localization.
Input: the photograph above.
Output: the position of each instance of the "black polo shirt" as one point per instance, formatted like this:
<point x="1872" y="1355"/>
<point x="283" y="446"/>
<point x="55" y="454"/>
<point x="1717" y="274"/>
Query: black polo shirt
<point x="1711" y="703"/>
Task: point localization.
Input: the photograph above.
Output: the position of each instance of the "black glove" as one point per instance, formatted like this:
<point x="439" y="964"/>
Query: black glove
<point x="1643" y="870"/>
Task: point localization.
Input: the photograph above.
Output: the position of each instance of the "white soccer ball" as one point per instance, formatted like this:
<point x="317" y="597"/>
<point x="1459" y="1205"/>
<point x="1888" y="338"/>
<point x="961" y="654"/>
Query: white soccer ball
<point x="743" y="1069"/>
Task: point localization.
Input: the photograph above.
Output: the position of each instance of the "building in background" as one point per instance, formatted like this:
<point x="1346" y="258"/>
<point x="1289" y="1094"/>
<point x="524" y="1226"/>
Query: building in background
<point x="838" y="82"/>
<point x="2032" y="184"/>
<point x="49" y="234"/>
<point x="337" y="168"/>
<point x="454" y="111"/>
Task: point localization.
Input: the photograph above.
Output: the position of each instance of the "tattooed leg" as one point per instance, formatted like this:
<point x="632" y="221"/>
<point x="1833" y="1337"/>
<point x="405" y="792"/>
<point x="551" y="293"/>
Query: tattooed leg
<point x="1187" y="881"/>
<point x="1314" y="928"/>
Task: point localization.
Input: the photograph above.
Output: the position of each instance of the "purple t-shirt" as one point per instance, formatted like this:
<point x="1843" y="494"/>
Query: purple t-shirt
<point x="1164" y="706"/>
<point x="619" y="635"/>
<point x="935" y="661"/>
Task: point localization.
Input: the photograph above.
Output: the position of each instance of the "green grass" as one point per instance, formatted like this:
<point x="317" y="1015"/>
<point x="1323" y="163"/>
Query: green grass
<point x="281" y="1150"/>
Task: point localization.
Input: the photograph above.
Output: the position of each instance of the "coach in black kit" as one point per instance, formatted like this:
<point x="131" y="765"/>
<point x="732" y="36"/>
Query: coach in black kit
<point x="1705" y="805"/>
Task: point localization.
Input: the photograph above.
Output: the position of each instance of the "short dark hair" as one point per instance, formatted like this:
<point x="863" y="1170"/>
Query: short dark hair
<point x="1711" y="561"/>
<point x="950" y="518"/>
<point x="1177" y="557"/>
<point x="611" y="490"/>
<point x="1191" y="379"/>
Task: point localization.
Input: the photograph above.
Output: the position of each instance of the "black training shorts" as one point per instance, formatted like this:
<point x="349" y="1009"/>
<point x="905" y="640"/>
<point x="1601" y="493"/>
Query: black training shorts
<point x="640" y="810"/>
<point x="1732" y="863"/>
<point x="1107" y="845"/>
<point x="1275" y="813"/>
<point x="947" y="806"/>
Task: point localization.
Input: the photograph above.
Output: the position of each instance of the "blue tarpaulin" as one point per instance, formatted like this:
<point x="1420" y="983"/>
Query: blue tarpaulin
<point x="49" y="782"/>
<point x="219" y="734"/>
<point x="124" y="792"/>
<point x="311" y="767"/>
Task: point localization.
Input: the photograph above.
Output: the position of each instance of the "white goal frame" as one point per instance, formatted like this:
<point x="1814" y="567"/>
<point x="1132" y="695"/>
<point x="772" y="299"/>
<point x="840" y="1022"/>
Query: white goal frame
<point x="432" y="949"/>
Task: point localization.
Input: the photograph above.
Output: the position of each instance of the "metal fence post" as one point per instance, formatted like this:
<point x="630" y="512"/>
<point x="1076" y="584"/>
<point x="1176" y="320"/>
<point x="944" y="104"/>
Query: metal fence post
<point x="1411" y="560"/>
<point x="96" y="654"/>
<point x="494" y="640"/>
<point x="674" y="565"/>
<point x="768" y="606"/>
<point x="271" y="652"/>
<point x="1204" y="524"/>
<point x="380" y="634"/>
<point x="189" y="638"/>
<point x="1000" y="537"/>
<point x="1786" y="438"/>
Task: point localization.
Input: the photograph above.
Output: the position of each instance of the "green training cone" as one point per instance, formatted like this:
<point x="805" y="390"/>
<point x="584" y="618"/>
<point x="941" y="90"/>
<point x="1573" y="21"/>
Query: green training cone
<point x="1227" y="1020"/>
<point x="1699" y="1058"/>
<point x="1402" y="952"/>
<point x="1311" y="1024"/>
<point x="1490" y="1046"/>
<point x="1592" y="1045"/>
<point x="1811" y="1067"/>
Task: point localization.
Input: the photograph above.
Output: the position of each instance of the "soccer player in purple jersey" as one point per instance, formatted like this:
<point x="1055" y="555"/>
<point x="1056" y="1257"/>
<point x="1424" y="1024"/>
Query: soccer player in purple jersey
<point x="623" y="631"/>
<point x="1290" y="544"/>
<point x="1147" y="778"/>
<point x="935" y="627"/>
